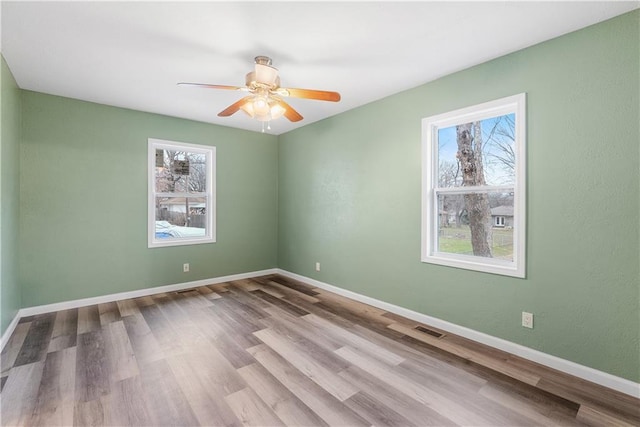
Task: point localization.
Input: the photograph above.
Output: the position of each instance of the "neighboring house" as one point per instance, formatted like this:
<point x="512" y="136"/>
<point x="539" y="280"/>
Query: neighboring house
<point x="502" y="216"/>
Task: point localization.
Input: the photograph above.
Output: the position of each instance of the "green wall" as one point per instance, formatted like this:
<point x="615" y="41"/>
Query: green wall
<point x="349" y="198"/>
<point x="83" y="204"/>
<point x="10" y="124"/>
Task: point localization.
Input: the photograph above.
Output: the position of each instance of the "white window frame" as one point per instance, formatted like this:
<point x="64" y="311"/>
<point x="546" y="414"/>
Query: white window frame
<point x="209" y="194"/>
<point x="513" y="104"/>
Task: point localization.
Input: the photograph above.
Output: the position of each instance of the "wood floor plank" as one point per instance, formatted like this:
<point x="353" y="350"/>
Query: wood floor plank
<point x="92" y="368"/>
<point x="244" y="303"/>
<point x="88" y="319"/>
<point x="56" y="394"/>
<point x="322" y="376"/>
<point x="36" y="343"/>
<point x="227" y="341"/>
<point x="191" y="299"/>
<point x="236" y="354"/>
<point x="540" y="412"/>
<point x="271" y="290"/>
<point x="232" y="321"/>
<point x="376" y="412"/>
<point x="205" y="400"/>
<point x="219" y="287"/>
<point x="167" y="338"/>
<point x="593" y="417"/>
<point x="20" y="392"/>
<point x="166" y="402"/>
<point x="416" y="412"/>
<point x="611" y="403"/>
<point x="208" y="293"/>
<point x="295" y="285"/>
<point x="65" y="330"/>
<point x="445" y="407"/>
<point x="91" y="413"/>
<point x="364" y="310"/>
<point x="280" y="303"/>
<point x="492" y="410"/>
<point x="353" y="340"/>
<point x="127" y="307"/>
<point x="291" y="294"/>
<point x="444" y="364"/>
<point x="251" y="410"/>
<point x="109" y="312"/>
<point x="213" y="367"/>
<point x="13" y="346"/>
<point x="290" y="326"/>
<point x="119" y="352"/>
<point x="281" y="400"/>
<point x="144" y="301"/>
<point x="371" y="321"/>
<point x="315" y="397"/>
<point x="246" y="285"/>
<point x="143" y="342"/>
<point x="128" y="404"/>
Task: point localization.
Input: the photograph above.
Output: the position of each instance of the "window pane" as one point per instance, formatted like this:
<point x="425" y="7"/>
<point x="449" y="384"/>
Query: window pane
<point x="178" y="217"/>
<point x="477" y="153"/>
<point x="479" y="224"/>
<point x="180" y="172"/>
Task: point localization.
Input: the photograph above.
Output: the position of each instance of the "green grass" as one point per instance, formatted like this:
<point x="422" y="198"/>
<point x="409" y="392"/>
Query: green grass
<point x="457" y="240"/>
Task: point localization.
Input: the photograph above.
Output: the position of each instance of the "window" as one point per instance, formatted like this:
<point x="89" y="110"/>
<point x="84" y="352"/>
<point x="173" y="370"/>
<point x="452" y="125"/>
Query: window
<point x="181" y="193"/>
<point x="473" y="189"/>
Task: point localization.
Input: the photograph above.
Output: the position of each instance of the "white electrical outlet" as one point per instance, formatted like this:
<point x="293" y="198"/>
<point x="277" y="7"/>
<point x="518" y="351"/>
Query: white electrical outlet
<point x="527" y="320"/>
<point x="185" y="267"/>
<point x="317" y="266"/>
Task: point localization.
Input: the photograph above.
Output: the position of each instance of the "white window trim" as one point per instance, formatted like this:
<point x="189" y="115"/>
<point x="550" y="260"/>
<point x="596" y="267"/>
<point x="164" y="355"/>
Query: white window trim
<point x="210" y="154"/>
<point x="430" y="125"/>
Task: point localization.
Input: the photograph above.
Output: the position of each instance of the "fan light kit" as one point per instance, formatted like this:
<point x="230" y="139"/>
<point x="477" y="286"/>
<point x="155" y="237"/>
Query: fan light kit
<point x="265" y="100"/>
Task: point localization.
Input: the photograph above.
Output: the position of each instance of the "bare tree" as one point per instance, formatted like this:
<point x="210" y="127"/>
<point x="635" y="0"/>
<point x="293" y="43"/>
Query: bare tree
<point x="469" y="155"/>
<point x="502" y="138"/>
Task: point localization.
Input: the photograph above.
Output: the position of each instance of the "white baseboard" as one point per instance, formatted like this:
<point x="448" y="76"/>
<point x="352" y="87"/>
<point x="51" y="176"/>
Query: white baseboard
<point x="7" y="334"/>
<point x="595" y="376"/>
<point x="30" y="311"/>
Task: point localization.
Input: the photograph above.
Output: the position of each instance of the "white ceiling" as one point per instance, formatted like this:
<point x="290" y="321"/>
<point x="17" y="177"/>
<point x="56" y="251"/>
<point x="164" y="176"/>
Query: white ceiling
<point x="132" y="54"/>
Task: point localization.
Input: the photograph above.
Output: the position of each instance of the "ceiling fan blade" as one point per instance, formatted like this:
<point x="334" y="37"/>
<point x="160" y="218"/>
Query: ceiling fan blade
<point x="233" y="107"/>
<point x="289" y="112"/>
<point x="320" y="95"/>
<point x="208" y="86"/>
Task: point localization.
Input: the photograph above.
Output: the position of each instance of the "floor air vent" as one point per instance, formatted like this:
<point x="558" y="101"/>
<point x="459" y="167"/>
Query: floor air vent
<point x="429" y="331"/>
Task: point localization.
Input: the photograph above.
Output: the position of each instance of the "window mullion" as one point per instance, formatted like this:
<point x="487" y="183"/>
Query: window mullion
<point x="200" y="194"/>
<point x="474" y="189"/>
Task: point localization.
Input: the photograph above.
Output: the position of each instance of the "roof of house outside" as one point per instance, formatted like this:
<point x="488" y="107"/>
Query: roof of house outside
<point x="502" y="211"/>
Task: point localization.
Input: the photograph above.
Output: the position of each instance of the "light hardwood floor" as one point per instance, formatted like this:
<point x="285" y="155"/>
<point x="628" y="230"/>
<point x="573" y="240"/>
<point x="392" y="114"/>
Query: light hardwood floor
<point x="271" y="351"/>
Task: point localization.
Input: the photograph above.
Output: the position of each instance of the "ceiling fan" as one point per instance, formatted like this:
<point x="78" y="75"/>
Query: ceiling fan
<point x="265" y="101"/>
